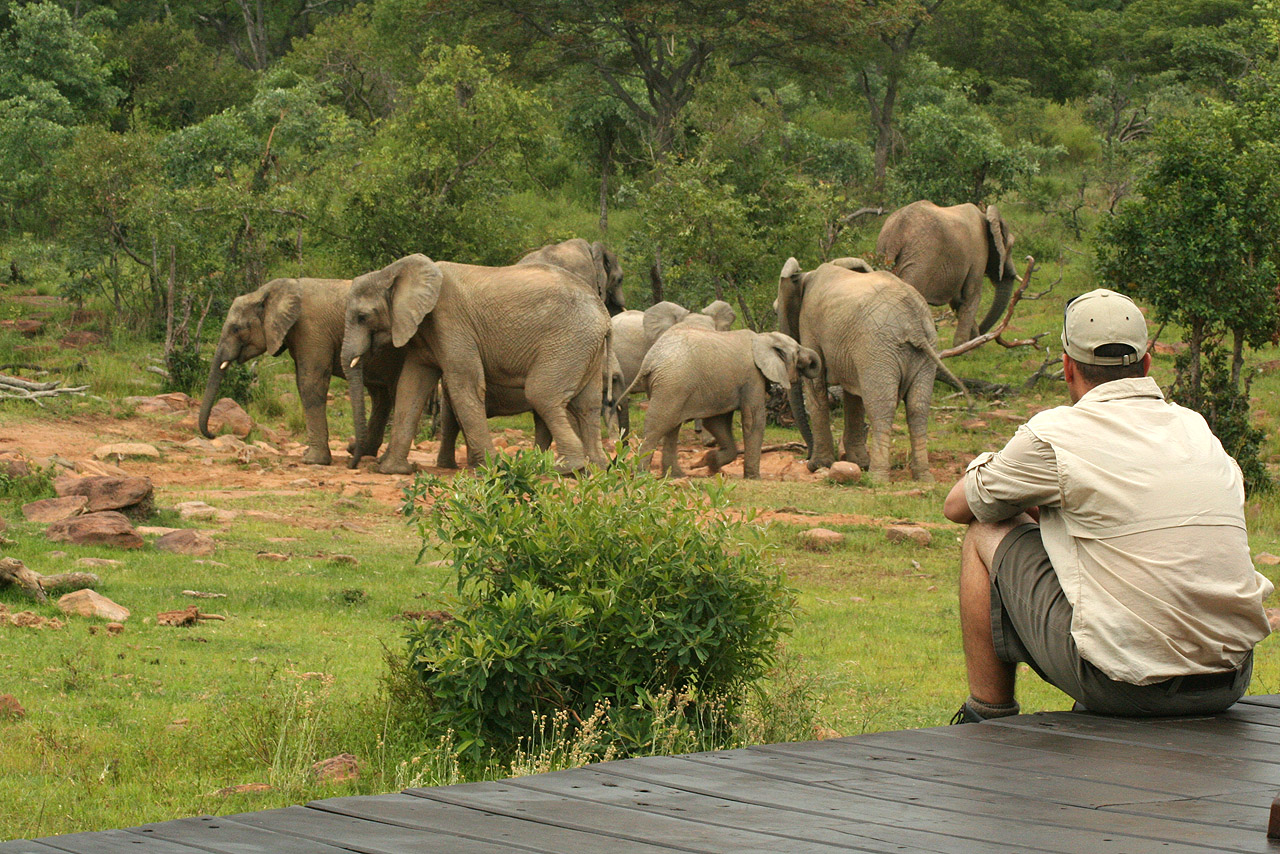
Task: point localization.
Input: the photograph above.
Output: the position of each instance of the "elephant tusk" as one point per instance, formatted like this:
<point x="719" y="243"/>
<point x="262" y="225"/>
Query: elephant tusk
<point x="223" y="366"/>
<point x="353" y="362"/>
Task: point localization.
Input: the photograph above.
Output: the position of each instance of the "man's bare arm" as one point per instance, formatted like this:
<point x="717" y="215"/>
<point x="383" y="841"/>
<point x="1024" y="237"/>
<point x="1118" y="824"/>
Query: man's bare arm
<point x="956" y="506"/>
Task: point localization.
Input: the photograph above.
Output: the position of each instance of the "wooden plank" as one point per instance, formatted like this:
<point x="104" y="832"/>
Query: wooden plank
<point x="624" y="824"/>
<point x="223" y="835"/>
<point x="782" y="816"/>
<point x="26" y="846"/>
<point x="1205" y="813"/>
<point x="1228" y="734"/>
<point x="1057" y="826"/>
<point x="1261" y="715"/>
<point x="114" y="842"/>
<point x="1272" y="700"/>
<point x="371" y="837"/>
<point x="485" y="826"/>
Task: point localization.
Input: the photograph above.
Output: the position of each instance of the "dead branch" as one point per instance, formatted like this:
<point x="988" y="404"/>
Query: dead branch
<point x="38" y="586"/>
<point x="991" y="335"/>
<point x="18" y="382"/>
<point x="785" y="446"/>
<point x="1044" y="372"/>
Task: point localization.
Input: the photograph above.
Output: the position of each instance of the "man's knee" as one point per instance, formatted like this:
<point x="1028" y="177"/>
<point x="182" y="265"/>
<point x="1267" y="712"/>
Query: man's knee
<point x="983" y="538"/>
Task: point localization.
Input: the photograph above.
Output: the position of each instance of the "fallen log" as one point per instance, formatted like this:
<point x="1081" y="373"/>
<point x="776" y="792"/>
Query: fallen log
<point x="15" y="572"/>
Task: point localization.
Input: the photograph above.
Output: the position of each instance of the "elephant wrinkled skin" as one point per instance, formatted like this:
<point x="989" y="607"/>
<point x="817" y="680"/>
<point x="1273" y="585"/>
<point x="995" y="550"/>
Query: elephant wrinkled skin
<point x="693" y="372"/>
<point x="875" y="337"/>
<point x="944" y="253"/>
<point x="594" y="262"/>
<point x="530" y="328"/>
<point x="305" y="317"/>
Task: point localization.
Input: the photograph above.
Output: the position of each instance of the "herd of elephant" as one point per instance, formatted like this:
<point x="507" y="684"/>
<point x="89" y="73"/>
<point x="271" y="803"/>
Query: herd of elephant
<point x="551" y="334"/>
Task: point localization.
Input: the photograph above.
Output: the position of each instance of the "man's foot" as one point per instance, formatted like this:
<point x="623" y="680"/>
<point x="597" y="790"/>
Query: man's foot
<point x="974" y="711"/>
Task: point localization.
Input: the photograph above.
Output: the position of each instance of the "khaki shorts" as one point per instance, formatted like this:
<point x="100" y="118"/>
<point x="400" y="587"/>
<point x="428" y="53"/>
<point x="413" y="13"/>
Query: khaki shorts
<point x="1031" y="622"/>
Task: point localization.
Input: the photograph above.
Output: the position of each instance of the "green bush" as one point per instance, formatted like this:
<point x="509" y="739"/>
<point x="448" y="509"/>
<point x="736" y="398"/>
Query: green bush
<point x="614" y="588"/>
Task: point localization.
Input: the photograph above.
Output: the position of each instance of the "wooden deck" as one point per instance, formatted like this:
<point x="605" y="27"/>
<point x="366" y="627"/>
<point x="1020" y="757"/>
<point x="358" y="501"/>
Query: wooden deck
<point x="1058" y="782"/>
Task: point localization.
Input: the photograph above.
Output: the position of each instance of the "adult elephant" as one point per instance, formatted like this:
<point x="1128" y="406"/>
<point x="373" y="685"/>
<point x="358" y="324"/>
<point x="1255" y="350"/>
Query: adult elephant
<point x="876" y="339"/>
<point x="527" y="327"/>
<point x="305" y="317"/>
<point x="594" y="262"/>
<point x="694" y="372"/>
<point x="634" y="332"/>
<point x="944" y="253"/>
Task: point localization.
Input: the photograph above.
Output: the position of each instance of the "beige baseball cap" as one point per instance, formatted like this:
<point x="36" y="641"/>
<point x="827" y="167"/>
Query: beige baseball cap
<point x="1102" y="317"/>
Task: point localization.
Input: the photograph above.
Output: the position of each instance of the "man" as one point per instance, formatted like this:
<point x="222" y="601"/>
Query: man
<point x="1107" y="544"/>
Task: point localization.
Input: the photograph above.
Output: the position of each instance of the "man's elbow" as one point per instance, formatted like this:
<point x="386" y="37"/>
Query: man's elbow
<point x="956" y="506"/>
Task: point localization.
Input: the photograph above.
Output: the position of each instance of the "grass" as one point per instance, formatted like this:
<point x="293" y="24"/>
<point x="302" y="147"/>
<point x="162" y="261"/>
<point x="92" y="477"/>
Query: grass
<point x="160" y="722"/>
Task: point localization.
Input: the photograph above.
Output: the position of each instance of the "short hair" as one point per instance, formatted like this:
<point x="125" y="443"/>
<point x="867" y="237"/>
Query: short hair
<point x="1099" y="374"/>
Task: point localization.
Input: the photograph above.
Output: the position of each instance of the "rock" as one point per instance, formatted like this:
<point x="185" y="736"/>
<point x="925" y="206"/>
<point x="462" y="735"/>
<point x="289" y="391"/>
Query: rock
<point x="30" y="620"/>
<point x="107" y="493"/>
<point x="10" y="708"/>
<point x="107" y="528"/>
<point x="347" y="560"/>
<point x="155" y="530"/>
<point x="97" y="468"/>
<point x="228" y="416"/>
<point x="187" y="542"/>
<point x="301" y="483"/>
<point x="342" y="768"/>
<point x="174" y="401"/>
<point x="14" y="466"/>
<point x="229" y="443"/>
<point x="273" y="556"/>
<point x="120" y="450"/>
<point x="115" y="628"/>
<point x="266" y="449"/>
<point x="821" y="539"/>
<point x="199" y="443"/>
<point x="974" y="424"/>
<point x="89" y="603"/>
<point x="49" y="510"/>
<point x="844" y="472"/>
<point x="98" y="562"/>
<point x="822" y="733"/>
<point x="908" y="533"/>
<point x="354" y="528"/>
<point x="200" y="510"/>
<point x="1266" y="559"/>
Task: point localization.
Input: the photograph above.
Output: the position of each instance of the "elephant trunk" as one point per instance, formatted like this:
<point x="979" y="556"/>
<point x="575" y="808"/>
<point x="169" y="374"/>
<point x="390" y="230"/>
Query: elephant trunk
<point x="210" y="394"/>
<point x="355" y="388"/>
<point x="1004" y="290"/>
<point x="796" y="396"/>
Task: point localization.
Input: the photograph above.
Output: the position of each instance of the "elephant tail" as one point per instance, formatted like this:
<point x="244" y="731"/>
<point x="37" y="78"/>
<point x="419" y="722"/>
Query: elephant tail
<point x="950" y="378"/>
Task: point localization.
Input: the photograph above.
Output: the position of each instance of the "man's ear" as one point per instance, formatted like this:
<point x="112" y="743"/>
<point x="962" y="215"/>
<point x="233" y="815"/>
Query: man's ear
<point x="1068" y="368"/>
<point x="1146" y="363"/>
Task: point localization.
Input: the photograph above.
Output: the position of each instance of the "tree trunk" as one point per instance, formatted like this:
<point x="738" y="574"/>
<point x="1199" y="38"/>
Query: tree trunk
<point x="1237" y="358"/>
<point x="606" y="163"/>
<point x="655" y="276"/>
<point x="1193" y="366"/>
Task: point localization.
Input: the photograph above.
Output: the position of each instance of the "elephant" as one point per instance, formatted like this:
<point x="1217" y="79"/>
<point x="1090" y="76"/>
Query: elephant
<point x="876" y="339"/>
<point x="635" y="331"/>
<point x="595" y="263"/>
<point x="944" y="254"/>
<point x="694" y="372"/>
<point x="530" y="329"/>
<point x="305" y="317"/>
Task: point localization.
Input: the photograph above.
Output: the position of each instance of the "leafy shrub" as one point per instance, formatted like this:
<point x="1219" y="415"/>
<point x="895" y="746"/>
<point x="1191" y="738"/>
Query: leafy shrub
<point x="24" y="488"/>
<point x="188" y="372"/>
<point x="615" y="588"/>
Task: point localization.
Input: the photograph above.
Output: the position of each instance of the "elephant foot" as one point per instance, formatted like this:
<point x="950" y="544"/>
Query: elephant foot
<point x="815" y="464"/>
<point x="878" y="477"/>
<point x="397" y="467"/>
<point x="317" y="457"/>
<point x="925" y="476"/>
<point x="570" y="468"/>
<point x="447" y="462"/>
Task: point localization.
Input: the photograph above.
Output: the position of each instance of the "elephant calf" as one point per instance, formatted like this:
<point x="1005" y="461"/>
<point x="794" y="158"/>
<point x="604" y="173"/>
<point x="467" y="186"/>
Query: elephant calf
<point x="693" y="372"/>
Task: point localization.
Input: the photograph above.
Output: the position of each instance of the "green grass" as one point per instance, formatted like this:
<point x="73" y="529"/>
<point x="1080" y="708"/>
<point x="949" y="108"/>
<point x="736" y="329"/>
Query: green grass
<point x="153" y="723"/>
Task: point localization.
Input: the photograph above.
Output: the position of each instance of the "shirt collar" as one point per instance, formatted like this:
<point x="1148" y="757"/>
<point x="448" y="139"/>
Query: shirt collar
<point x="1122" y="389"/>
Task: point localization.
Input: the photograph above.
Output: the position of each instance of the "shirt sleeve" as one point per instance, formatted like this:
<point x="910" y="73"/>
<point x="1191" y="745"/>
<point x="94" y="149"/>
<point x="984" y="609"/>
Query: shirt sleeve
<point x="1023" y="474"/>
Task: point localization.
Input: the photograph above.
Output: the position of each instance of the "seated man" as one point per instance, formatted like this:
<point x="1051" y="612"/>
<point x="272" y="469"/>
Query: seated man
<point x="1107" y="544"/>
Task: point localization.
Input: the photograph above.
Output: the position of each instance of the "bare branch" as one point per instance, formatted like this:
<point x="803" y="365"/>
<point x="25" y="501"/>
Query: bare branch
<point x="991" y="335"/>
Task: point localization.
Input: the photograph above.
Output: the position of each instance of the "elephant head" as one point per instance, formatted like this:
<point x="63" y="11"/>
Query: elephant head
<point x="722" y="314"/>
<point x="660" y="317"/>
<point x="782" y="360"/>
<point x="608" y="278"/>
<point x="1000" y="269"/>
<point x="790" y="299"/>
<point x="256" y="323"/>
<point x="384" y="308"/>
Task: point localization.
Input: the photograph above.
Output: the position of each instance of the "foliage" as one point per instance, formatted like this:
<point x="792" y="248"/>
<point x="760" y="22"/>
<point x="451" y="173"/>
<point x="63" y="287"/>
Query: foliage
<point x="614" y="588"/>
<point x="20" y="489"/>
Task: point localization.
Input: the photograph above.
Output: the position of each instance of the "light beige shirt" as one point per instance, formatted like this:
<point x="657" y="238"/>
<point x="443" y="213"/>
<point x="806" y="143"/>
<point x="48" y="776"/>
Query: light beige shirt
<point x="1142" y="516"/>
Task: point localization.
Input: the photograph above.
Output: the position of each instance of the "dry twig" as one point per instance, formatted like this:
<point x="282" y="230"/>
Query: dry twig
<point x="994" y="334"/>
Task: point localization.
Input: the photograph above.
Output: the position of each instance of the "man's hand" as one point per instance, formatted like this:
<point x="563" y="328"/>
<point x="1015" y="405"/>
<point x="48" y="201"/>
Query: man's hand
<point x="956" y="505"/>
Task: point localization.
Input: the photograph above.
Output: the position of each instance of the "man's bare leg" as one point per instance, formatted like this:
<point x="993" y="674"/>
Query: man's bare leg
<point x="991" y="681"/>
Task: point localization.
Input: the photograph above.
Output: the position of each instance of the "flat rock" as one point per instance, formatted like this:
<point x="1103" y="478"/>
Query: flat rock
<point x="272" y="556"/>
<point x="14" y="465"/>
<point x="229" y="444"/>
<point x="120" y="450"/>
<point x="342" y="768"/>
<point x="89" y="603"/>
<point x="199" y="443"/>
<point x="98" y="562"/>
<point x="106" y="493"/>
<point x="844" y="472"/>
<point x="1273" y="618"/>
<point x="1266" y="559"/>
<point x="201" y="510"/>
<point x="908" y="533"/>
<point x="48" y="510"/>
<point x="187" y="542"/>
<point x="174" y="401"/>
<point x="155" y="530"/>
<point x="821" y="539"/>
<point x="98" y="468"/>
<point x="347" y="560"/>
<point x="106" y="528"/>
<point x="973" y="424"/>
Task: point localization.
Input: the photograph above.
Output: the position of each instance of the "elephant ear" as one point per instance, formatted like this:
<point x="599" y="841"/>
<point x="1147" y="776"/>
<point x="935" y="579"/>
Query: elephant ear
<point x="1001" y="241"/>
<point x="775" y="356"/>
<point x="413" y="287"/>
<point x="609" y="268"/>
<point x="790" y="297"/>
<point x="660" y="317"/>
<point x="281" y="306"/>
<point x="857" y="265"/>
<point x="722" y="313"/>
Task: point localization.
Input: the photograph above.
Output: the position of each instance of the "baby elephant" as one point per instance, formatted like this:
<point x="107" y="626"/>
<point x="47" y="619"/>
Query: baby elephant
<point x="700" y="373"/>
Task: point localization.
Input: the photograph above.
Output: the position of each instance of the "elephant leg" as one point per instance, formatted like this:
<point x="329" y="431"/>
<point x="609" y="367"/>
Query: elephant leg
<point x="709" y="440"/>
<point x="550" y="399"/>
<point x="447" y="455"/>
<point x="662" y="426"/>
<point x="879" y="412"/>
<point x="967" y="310"/>
<point x="313" y="393"/>
<point x="584" y="411"/>
<point x="823" y="450"/>
<point x="918" y="397"/>
<point x="380" y="411"/>
<point x="541" y="433"/>
<point x="466" y="397"/>
<point x="720" y="428"/>
<point x="855" y="431"/>
<point x="624" y="417"/>
<point x="671" y="453"/>
<point x="416" y="383"/>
